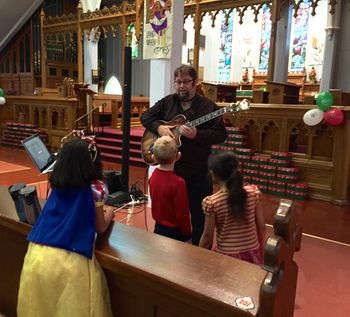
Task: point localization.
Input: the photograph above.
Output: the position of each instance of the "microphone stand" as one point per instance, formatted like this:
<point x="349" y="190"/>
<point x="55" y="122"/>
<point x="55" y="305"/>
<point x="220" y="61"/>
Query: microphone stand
<point x="84" y="115"/>
<point x="102" y="122"/>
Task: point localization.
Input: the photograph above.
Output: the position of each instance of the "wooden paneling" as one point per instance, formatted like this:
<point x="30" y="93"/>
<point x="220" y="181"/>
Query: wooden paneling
<point x="310" y="89"/>
<point x="54" y="115"/>
<point x="306" y="88"/>
<point x="113" y="105"/>
<point x="219" y="92"/>
<point x="56" y="72"/>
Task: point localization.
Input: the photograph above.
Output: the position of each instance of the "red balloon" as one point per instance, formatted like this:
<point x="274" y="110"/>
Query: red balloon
<point x="334" y="116"/>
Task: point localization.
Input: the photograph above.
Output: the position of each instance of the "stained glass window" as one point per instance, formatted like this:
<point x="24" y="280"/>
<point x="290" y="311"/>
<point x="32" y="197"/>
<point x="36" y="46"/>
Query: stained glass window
<point x="132" y="41"/>
<point x="265" y="39"/>
<point x="299" y="40"/>
<point x="225" y="54"/>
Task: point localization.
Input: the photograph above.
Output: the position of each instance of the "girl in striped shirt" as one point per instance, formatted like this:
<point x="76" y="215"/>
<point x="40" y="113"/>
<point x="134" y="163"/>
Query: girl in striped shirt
<point x="234" y="211"/>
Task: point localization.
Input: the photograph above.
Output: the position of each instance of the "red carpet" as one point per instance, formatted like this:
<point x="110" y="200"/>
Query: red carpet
<point x="134" y="131"/>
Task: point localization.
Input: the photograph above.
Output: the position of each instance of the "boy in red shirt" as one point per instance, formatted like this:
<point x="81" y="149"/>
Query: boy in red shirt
<point x="170" y="207"/>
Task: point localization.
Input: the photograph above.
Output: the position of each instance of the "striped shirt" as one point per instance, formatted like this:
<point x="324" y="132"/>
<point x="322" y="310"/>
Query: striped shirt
<point x="233" y="237"/>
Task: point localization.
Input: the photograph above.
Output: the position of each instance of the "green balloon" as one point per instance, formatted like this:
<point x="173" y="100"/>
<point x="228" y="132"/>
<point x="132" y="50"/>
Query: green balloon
<point x="2" y="92"/>
<point x="324" y="100"/>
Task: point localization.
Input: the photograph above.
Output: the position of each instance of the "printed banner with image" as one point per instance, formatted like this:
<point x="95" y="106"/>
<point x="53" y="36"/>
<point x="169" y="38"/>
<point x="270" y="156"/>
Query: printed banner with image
<point x="157" y="29"/>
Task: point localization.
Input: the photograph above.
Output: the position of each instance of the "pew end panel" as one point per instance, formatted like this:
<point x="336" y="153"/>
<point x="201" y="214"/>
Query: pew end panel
<point x="13" y="247"/>
<point x="278" y="290"/>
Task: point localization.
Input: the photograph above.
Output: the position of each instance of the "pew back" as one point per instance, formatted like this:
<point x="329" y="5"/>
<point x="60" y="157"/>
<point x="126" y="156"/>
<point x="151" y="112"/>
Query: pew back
<point x="166" y="277"/>
<point x="150" y="275"/>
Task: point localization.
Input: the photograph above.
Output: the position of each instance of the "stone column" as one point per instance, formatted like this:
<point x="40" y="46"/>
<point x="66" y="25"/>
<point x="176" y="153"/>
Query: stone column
<point x="283" y="43"/>
<point x="330" y="48"/>
<point x="90" y="46"/>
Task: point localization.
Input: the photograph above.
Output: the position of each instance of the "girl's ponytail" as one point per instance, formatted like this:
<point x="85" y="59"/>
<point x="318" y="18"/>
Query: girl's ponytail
<point x="237" y="196"/>
<point x="224" y="166"/>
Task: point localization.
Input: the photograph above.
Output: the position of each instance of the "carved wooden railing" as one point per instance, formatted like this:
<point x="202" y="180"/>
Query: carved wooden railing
<point x="322" y="152"/>
<point x="151" y="275"/>
<point x="113" y="105"/>
<point x="54" y="115"/>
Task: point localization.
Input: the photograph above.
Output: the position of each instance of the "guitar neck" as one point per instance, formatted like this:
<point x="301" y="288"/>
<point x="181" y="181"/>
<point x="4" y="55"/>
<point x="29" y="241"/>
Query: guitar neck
<point x="208" y="117"/>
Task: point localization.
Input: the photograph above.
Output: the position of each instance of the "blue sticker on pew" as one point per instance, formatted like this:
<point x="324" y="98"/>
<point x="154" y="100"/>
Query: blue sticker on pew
<point x="245" y="303"/>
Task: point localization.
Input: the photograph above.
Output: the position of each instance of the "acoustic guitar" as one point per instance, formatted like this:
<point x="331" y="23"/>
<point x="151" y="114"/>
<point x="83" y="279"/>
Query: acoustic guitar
<point x="149" y="138"/>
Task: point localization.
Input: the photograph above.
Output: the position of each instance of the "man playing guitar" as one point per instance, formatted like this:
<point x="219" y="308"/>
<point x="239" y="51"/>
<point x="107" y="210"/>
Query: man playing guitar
<point x="196" y="142"/>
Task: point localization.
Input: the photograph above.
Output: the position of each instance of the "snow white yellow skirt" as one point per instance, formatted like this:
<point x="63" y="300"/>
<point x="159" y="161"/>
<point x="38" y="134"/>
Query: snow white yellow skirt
<point x="56" y="282"/>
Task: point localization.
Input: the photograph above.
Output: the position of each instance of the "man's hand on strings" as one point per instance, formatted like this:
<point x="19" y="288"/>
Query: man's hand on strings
<point x="165" y="130"/>
<point x="188" y="132"/>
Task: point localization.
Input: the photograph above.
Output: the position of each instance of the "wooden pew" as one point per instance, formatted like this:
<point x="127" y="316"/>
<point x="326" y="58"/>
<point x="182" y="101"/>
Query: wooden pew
<point x="150" y="275"/>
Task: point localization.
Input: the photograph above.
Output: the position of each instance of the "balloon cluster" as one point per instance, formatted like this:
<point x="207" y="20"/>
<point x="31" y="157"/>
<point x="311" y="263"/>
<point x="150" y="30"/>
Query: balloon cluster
<point x="2" y="98"/>
<point x="324" y="112"/>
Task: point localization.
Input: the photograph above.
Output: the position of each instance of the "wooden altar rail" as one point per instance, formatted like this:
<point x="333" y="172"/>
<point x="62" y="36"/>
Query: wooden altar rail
<point x="57" y="115"/>
<point x="307" y="88"/>
<point x="150" y="275"/>
<point x="322" y="152"/>
<point x="113" y="105"/>
<point x="54" y="115"/>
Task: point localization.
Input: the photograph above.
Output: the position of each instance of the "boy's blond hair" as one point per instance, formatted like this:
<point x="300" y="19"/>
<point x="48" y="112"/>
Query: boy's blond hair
<point x="164" y="150"/>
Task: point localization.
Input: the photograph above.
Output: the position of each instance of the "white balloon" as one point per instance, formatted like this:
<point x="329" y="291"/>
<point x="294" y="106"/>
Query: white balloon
<point x="2" y="100"/>
<point x="244" y="105"/>
<point x="313" y="117"/>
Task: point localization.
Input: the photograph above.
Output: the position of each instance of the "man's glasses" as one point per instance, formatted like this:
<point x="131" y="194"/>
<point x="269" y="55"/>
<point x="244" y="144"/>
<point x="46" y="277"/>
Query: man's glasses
<point x="185" y="82"/>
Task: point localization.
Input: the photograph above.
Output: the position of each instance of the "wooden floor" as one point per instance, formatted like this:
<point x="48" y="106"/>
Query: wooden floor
<point x="324" y="271"/>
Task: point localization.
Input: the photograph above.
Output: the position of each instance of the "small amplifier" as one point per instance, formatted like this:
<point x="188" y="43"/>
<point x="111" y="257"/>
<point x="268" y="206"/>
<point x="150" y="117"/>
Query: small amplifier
<point x="114" y="181"/>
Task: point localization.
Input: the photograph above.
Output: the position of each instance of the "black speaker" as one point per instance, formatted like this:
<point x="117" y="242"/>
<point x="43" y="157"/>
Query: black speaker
<point x="126" y="116"/>
<point x="31" y="204"/>
<point x="114" y="181"/>
<point x="14" y="192"/>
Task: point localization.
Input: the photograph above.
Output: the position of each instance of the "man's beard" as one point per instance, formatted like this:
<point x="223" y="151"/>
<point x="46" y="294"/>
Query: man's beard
<point x="183" y="95"/>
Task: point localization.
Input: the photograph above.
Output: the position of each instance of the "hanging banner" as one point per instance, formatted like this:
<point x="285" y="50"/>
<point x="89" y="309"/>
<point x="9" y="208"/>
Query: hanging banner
<point x="157" y="29"/>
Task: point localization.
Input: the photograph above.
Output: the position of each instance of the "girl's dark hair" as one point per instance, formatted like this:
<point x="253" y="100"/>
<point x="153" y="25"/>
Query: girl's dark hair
<point x="75" y="167"/>
<point x="224" y="166"/>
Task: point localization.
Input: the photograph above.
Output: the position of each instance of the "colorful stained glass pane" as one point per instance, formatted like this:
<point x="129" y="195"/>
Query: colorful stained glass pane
<point x="299" y="42"/>
<point x="132" y="41"/>
<point x="265" y="39"/>
<point x="225" y="54"/>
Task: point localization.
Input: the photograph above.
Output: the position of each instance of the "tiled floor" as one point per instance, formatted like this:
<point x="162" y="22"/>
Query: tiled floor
<point x="323" y="288"/>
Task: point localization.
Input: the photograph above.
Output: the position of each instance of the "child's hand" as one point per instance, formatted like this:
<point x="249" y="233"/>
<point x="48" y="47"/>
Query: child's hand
<point x="99" y="190"/>
<point x="107" y="208"/>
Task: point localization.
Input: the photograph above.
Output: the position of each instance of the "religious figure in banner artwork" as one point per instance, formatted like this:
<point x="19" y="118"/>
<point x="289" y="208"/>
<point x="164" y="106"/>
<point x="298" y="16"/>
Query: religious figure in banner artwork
<point x="158" y="26"/>
<point x="157" y="15"/>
